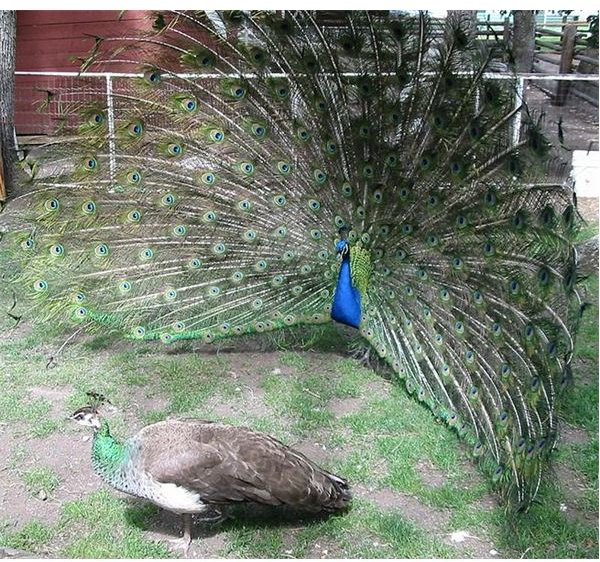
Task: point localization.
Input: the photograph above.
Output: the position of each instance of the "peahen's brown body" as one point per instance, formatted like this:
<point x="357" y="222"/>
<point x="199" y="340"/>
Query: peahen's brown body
<point x="196" y="467"/>
<point x="264" y="170"/>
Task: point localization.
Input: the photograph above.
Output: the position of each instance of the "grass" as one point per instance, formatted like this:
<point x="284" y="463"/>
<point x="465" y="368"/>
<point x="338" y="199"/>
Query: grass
<point x="40" y="480"/>
<point x="384" y="443"/>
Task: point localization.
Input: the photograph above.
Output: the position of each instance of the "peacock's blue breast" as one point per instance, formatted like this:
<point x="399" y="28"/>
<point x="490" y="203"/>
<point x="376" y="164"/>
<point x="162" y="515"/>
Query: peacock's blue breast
<point x="346" y="306"/>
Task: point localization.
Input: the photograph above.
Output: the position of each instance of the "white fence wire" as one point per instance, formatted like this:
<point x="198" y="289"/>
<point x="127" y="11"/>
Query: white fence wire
<point x="104" y="82"/>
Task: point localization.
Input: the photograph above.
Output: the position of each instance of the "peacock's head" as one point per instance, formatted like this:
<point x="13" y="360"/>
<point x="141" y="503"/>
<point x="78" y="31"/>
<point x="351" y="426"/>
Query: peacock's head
<point x="342" y="248"/>
<point x="88" y="416"/>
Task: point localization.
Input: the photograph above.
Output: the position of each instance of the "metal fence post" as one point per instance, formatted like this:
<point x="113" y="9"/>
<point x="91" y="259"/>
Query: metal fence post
<point x="111" y="128"/>
<point x="516" y="132"/>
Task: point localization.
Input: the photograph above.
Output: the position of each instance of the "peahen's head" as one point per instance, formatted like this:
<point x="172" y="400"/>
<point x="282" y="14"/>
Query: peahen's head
<point x="87" y="416"/>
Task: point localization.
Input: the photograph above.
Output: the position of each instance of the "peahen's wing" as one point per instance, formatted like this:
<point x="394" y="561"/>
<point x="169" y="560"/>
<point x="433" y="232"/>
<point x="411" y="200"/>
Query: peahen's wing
<point x="251" y="139"/>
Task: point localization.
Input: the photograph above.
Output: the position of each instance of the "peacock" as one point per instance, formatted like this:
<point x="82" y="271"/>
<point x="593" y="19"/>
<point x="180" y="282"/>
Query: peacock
<point x="263" y="170"/>
<point x="196" y="467"/>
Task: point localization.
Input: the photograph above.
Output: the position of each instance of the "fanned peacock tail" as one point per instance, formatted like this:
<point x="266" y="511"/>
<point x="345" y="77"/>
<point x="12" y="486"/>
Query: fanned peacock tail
<point x="250" y="145"/>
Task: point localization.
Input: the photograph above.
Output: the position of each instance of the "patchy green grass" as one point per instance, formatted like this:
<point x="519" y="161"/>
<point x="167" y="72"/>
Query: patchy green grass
<point x="41" y="480"/>
<point x="384" y="443"/>
<point x="32" y="537"/>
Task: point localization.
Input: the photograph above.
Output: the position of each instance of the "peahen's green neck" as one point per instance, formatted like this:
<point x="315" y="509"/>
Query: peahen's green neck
<point x="107" y="453"/>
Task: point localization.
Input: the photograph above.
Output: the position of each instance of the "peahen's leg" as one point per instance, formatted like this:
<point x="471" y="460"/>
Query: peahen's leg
<point x="185" y="541"/>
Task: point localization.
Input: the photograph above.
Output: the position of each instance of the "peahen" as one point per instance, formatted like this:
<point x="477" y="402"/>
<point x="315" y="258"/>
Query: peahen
<point x="196" y="467"/>
<point x="270" y="169"/>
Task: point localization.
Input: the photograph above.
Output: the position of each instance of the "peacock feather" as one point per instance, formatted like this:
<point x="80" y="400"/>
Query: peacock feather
<point x="266" y="170"/>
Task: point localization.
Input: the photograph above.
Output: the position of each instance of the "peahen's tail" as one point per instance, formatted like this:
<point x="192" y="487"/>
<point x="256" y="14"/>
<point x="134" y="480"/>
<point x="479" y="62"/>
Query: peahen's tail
<point x="261" y="167"/>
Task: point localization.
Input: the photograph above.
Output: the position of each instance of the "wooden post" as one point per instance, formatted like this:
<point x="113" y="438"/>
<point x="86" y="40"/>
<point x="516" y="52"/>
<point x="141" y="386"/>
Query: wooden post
<point x="2" y="184"/>
<point x="506" y="32"/>
<point x="566" y="62"/>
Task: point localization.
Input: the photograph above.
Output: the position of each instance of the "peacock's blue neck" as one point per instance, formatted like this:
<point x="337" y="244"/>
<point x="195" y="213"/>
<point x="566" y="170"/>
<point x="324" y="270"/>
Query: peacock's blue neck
<point x="346" y="307"/>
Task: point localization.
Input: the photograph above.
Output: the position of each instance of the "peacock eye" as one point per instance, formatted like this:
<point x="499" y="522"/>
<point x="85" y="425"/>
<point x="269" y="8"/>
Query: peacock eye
<point x="134" y="216"/>
<point x="147" y="254"/>
<point x="217" y="135"/>
<point x="320" y="176"/>
<point x="101" y="250"/>
<point x="247" y="168"/>
<point x="40" y="286"/>
<point x="125" y="286"/>
<point x="168" y="200"/>
<point x="57" y="250"/>
<point x="180" y="230"/>
<point x="28" y="244"/>
<point x="208" y="178"/>
<point x="175" y="149"/>
<point x="303" y="134"/>
<point x="284" y="168"/>
<point x="152" y="77"/>
<point x="259" y="131"/>
<point x="89" y="208"/>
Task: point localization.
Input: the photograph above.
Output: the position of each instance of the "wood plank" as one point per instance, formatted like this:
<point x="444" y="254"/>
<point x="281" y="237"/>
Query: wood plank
<point x="59" y="17"/>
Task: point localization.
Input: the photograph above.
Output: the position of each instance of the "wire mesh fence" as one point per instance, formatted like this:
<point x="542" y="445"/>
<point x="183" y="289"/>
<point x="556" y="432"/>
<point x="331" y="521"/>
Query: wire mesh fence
<point x="45" y="101"/>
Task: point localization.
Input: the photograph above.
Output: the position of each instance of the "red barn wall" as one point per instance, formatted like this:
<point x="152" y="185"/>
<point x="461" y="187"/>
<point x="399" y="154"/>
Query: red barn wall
<point x="49" y="40"/>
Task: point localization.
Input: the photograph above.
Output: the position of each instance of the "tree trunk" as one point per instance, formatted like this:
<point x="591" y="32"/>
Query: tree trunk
<point x="8" y="44"/>
<point x="523" y="41"/>
<point x="467" y="19"/>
